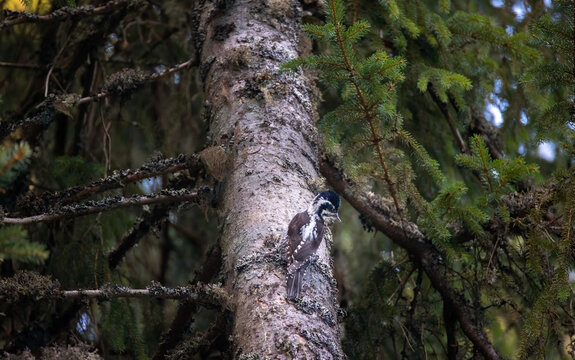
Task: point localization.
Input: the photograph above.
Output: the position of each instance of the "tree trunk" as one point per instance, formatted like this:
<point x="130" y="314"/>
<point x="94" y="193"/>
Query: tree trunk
<point x="264" y="118"/>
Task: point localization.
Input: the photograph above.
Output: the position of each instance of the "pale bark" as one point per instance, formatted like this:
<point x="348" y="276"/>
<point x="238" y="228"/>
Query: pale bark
<point x="264" y="118"/>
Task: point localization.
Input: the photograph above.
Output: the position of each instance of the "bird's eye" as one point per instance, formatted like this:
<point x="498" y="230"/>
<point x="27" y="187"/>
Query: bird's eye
<point x="328" y="209"/>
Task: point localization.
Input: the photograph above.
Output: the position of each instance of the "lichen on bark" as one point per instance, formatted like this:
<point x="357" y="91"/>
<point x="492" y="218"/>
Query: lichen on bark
<point x="265" y="119"/>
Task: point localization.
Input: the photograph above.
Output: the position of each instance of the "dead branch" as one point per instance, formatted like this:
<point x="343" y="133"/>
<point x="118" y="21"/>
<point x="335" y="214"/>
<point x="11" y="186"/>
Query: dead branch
<point x="209" y="295"/>
<point x="107" y="204"/>
<point x="118" y="179"/>
<point x="22" y="17"/>
<point x="14" y="65"/>
<point x="29" y="285"/>
<point x="148" y="220"/>
<point x="142" y="79"/>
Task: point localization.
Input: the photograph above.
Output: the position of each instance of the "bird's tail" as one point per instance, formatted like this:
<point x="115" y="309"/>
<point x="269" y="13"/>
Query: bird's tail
<point x="294" y="284"/>
<point x="296" y="272"/>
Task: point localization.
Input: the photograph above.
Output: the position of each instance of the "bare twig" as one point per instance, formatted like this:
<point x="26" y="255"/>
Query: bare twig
<point x="93" y="207"/>
<point x="47" y="81"/>
<point x="21" y="17"/>
<point x="447" y="115"/>
<point x="149" y="78"/>
<point x="22" y="66"/>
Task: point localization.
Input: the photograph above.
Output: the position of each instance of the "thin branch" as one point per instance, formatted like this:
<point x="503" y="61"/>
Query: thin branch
<point x="22" y="17"/>
<point x="147" y="79"/>
<point x="30" y="285"/>
<point x="93" y="207"/>
<point x="447" y="115"/>
<point x="424" y="253"/>
<point x="148" y="220"/>
<point x="22" y="66"/>
<point x="489" y="133"/>
<point x="206" y="294"/>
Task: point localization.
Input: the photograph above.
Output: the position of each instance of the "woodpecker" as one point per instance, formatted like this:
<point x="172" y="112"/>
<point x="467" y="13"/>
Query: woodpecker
<point x="305" y="233"/>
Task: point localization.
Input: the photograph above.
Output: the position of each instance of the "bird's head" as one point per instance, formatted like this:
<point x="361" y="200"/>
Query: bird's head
<point x="326" y="206"/>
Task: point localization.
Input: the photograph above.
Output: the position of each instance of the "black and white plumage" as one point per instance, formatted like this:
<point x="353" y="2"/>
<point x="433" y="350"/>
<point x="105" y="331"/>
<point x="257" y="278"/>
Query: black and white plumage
<point x="305" y="233"/>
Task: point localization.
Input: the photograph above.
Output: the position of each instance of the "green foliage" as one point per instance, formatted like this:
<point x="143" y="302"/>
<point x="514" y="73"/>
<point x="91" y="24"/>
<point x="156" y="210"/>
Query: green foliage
<point x="443" y="81"/>
<point x="557" y="288"/>
<point x="447" y="208"/>
<point x="120" y="328"/>
<point x="550" y="83"/>
<point x="27" y="3"/>
<point x="399" y="14"/>
<point x="566" y="243"/>
<point x="482" y="28"/>
<point x="366" y="128"/>
<point x="14" y="159"/>
<point x="14" y="245"/>
<point x="74" y="170"/>
<point x="396" y="122"/>
<point x="365" y="124"/>
<point x="496" y="175"/>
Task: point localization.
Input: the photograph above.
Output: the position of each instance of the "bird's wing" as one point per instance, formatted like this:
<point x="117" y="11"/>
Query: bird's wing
<point x="308" y="248"/>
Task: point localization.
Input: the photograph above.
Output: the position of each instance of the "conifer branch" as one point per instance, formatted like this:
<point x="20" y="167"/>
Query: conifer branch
<point x="116" y="202"/>
<point x="376" y="137"/>
<point x="424" y="253"/>
<point x="484" y="161"/>
<point x="22" y="17"/>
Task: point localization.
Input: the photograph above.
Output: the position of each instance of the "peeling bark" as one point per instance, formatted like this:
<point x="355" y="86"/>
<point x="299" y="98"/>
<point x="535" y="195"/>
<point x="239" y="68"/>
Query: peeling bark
<point x="264" y="119"/>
